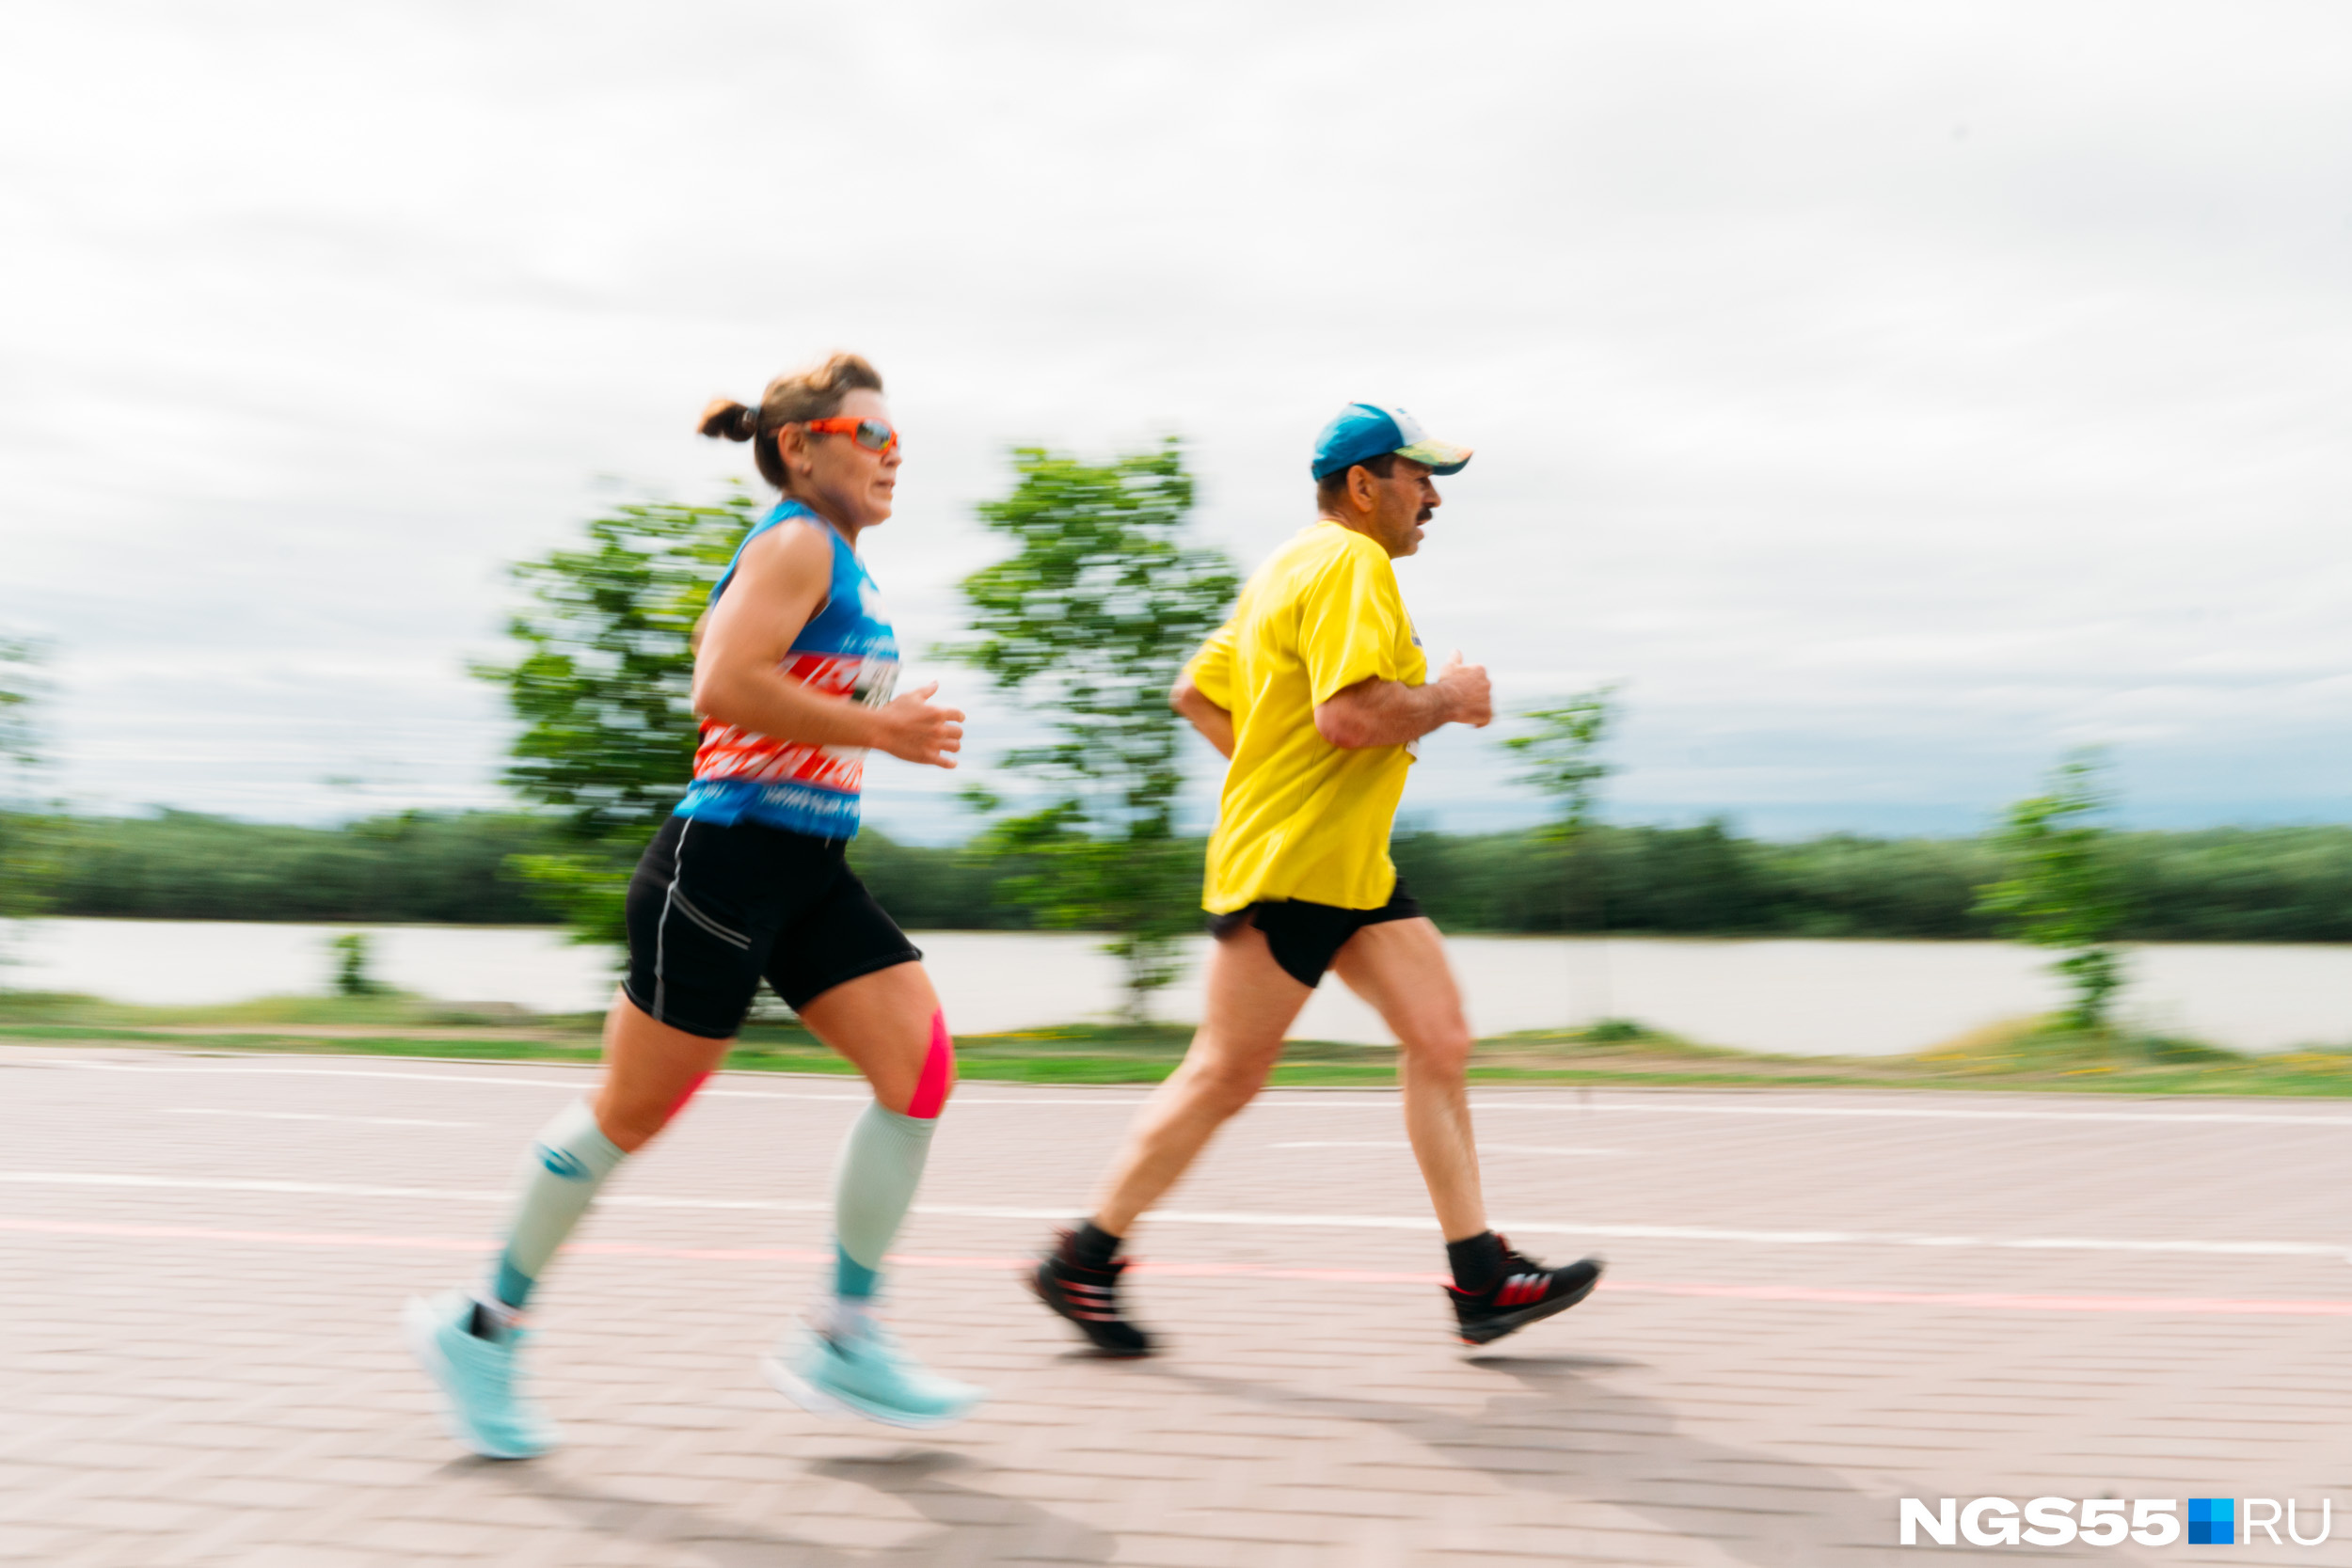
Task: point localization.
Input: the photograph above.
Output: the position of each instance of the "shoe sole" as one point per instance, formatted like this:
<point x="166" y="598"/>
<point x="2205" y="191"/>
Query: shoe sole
<point x="1036" y="1283"/>
<point x="824" y="1401"/>
<point x="418" y="1326"/>
<point x="1495" y="1328"/>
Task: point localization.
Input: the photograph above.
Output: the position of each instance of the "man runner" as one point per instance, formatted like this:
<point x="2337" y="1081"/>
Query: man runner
<point x="1315" y="691"/>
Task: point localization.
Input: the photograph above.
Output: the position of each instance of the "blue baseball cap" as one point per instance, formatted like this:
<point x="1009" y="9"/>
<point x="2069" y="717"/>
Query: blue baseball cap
<point x="1363" y="430"/>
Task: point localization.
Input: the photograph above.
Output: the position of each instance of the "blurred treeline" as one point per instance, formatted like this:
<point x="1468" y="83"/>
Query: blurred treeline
<point x="2274" y="884"/>
<point x="442" y="868"/>
<point x="433" y="867"/>
<point x="2269" y="884"/>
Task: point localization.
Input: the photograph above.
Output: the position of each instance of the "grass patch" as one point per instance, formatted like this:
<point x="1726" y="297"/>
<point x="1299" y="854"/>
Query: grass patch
<point x="2026" y="1054"/>
<point x="382" y="1009"/>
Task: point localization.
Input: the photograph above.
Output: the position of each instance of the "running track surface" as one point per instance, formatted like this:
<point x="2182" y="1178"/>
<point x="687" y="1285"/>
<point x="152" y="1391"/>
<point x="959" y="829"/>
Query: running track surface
<point x="1817" y="1304"/>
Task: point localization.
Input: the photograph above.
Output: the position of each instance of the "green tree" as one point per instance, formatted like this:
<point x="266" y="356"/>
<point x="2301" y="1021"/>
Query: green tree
<point x="1559" y="756"/>
<point x="1088" y="623"/>
<point x="2062" y="888"/>
<point x="354" y="954"/>
<point x="604" y="690"/>
<point x="19" y="666"/>
<point x="28" y="832"/>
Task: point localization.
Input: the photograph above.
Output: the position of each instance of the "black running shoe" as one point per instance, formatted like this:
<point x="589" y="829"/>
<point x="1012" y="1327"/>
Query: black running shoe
<point x="1087" y="1297"/>
<point x="1524" y="1293"/>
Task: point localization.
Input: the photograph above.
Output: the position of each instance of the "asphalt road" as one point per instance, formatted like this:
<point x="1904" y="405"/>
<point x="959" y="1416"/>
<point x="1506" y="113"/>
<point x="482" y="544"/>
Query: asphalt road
<point x="1819" y="1304"/>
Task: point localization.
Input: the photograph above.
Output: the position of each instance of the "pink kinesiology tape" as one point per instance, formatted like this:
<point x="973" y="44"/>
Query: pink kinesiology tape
<point x="939" y="1072"/>
<point x="680" y="1104"/>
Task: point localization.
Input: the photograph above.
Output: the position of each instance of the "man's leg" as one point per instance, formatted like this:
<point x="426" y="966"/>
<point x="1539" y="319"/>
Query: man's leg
<point x="1399" y="966"/>
<point x="1250" y="1006"/>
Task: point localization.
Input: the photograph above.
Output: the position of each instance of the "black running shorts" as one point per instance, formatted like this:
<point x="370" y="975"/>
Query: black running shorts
<point x="1304" y="938"/>
<point x="713" y="909"/>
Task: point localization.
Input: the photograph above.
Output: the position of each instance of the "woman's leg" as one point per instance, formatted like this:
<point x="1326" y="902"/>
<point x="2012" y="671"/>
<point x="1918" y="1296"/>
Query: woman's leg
<point x="698" y="918"/>
<point x="650" y="1071"/>
<point x="467" y="1341"/>
<point x="889" y="1025"/>
<point x="702" y="911"/>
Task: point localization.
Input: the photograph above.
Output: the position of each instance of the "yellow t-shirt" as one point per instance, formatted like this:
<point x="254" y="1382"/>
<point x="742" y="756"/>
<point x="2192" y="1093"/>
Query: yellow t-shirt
<point x="1301" y="818"/>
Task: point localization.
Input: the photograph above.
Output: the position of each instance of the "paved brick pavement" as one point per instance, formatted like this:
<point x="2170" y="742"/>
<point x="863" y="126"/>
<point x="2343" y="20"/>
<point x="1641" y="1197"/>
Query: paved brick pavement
<point x="1817" y="1304"/>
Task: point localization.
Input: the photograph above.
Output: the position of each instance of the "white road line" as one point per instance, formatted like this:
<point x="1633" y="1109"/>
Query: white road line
<point x="353" y="1189"/>
<point x="310" y="1116"/>
<point x="1668" y="1103"/>
<point x="858" y="1096"/>
<point x="1933" y="1112"/>
<point x="240" y="1071"/>
<point x="235" y="1184"/>
<point x="1182" y="1216"/>
<point x="1484" y="1146"/>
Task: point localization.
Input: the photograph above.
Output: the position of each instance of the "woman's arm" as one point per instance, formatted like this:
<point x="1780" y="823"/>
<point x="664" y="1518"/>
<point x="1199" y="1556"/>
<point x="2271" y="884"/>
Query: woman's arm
<point x="779" y="584"/>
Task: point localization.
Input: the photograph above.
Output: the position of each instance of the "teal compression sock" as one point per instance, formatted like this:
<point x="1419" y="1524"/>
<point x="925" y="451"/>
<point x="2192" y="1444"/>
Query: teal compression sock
<point x="560" y="1178"/>
<point x="881" y="1164"/>
<point x="851" y="1279"/>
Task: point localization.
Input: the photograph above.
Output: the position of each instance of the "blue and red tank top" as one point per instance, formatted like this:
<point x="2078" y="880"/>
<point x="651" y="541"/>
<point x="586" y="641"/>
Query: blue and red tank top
<point x="846" y="649"/>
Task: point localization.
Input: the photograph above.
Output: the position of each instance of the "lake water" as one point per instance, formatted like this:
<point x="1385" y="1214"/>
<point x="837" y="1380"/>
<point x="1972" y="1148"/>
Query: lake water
<point x="1849" y="997"/>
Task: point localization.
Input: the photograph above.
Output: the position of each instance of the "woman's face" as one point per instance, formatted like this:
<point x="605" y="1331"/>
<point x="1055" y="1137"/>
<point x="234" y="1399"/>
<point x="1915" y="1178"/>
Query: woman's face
<point x="846" y="481"/>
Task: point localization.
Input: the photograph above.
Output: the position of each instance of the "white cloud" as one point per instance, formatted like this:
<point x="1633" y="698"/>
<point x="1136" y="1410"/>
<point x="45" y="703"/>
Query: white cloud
<point x="1889" y="397"/>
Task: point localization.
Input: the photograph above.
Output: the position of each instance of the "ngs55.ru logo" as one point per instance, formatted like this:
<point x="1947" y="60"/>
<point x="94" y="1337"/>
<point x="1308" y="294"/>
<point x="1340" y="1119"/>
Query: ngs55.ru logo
<point x="2112" y="1521"/>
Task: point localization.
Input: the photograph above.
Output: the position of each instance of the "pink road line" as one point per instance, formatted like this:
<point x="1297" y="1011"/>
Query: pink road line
<point x="1997" y="1302"/>
<point x="1801" y="1294"/>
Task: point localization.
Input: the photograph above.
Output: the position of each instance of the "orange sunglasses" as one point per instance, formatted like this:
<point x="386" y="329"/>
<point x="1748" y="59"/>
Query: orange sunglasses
<point x="873" y="434"/>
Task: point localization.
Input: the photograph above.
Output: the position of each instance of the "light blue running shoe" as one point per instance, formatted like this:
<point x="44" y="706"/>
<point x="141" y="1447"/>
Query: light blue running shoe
<point x="863" y="1371"/>
<point x="477" y="1378"/>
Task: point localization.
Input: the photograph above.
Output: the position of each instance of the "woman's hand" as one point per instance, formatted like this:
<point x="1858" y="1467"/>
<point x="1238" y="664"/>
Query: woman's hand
<point x="912" y="729"/>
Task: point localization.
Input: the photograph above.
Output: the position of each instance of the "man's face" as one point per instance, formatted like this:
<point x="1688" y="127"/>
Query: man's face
<point x="1401" y="505"/>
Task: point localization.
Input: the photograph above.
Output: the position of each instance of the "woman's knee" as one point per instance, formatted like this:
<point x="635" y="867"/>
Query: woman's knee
<point x="925" y="1096"/>
<point x="629" y="1127"/>
<point x="633" y="1123"/>
<point x="651" y="1072"/>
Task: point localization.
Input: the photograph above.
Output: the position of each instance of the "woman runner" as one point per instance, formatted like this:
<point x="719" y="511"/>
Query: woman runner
<point x="793" y="674"/>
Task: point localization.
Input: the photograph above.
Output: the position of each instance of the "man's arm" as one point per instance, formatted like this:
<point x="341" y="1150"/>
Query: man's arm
<point x="1214" y="723"/>
<point x="1375" y="712"/>
<point x="1210" y="669"/>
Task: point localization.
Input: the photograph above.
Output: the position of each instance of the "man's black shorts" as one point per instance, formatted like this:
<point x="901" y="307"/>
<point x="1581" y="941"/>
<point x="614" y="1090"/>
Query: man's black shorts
<point x="1304" y="938"/>
<point x="713" y="909"/>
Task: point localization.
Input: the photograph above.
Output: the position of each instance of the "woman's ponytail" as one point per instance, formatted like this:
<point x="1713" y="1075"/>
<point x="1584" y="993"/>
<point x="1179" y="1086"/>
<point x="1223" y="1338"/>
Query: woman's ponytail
<point x="815" y="393"/>
<point x="727" y="420"/>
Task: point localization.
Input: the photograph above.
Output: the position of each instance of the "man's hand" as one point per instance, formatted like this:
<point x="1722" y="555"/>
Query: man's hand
<point x="1375" y="712"/>
<point x="913" y="730"/>
<point x="1469" y="700"/>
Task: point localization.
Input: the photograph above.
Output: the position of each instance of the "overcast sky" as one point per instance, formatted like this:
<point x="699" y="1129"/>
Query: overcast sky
<point x="1887" y="396"/>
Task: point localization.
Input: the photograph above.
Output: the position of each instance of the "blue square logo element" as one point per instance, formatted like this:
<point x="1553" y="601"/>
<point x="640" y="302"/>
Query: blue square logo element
<point x="2213" y="1521"/>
